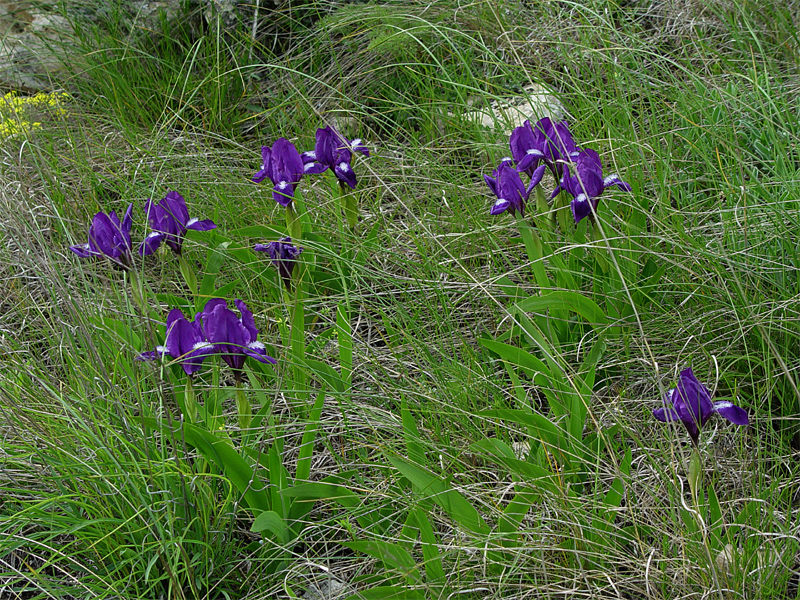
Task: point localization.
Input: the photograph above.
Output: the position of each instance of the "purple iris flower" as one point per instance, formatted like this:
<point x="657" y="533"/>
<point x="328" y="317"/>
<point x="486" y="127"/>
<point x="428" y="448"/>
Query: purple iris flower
<point x="283" y="255"/>
<point x="545" y="142"/>
<point x="334" y="151"/>
<point x="233" y="337"/>
<point x="185" y="341"/>
<point x="169" y="220"/>
<point x="507" y="185"/>
<point x="692" y="406"/>
<point x="110" y="238"/>
<point x="284" y="167"/>
<point x="587" y="184"/>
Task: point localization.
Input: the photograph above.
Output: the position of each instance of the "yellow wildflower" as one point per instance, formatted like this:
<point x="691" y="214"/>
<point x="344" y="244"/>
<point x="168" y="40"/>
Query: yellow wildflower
<point x="15" y="111"/>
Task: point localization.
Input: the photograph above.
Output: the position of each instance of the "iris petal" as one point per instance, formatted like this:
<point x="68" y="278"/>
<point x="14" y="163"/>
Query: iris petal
<point x="734" y="414"/>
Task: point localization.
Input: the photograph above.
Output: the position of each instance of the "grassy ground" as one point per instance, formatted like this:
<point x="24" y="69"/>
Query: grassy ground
<point x="402" y="447"/>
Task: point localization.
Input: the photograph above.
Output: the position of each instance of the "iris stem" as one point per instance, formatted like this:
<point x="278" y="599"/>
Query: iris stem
<point x="345" y="343"/>
<point x="190" y="401"/>
<point x="543" y="219"/>
<point x="245" y="412"/>
<point x="599" y="256"/>
<point x="350" y="208"/>
<point x="294" y="224"/>
<point x="188" y="274"/>
<point x="695" y="477"/>
<point x="297" y="334"/>
<point x="533" y="246"/>
<point x="695" y="474"/>
<point x="137" y="291"/>
<point x="562" y="212"/>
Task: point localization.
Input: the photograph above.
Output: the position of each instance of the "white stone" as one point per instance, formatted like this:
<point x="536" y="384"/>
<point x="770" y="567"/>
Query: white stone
<point x="505" y="115"/>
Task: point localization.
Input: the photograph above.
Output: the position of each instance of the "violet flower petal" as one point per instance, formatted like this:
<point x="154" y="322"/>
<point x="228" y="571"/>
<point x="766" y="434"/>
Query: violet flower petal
<point x="731" y="412"/>
<point x="346" y="174"/>
<point x="198" y="225"/>
<point x="151" y="243"/>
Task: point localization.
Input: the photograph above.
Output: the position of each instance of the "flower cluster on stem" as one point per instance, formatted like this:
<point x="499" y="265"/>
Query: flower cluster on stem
<point x="169" y="220"/>
<point x="215" y="330"/>
<point x="110" y="238"/>
<point x="550" y="146"/>
<point x="335" y="152"/>
<point x="690" y="403"/>
<point x="284" y="256"/>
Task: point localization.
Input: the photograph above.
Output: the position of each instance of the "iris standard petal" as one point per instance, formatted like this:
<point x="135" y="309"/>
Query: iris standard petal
<point x="103" y="234"/>
<point x="175" y="205"/>
<point x="563" y="140"/>
<point x="693" y="400"/>
<point x="153" y="214"/>
<point x="223" y="329"/>
<point x="326" y="145"/>
<point x="213" y="303"/>
<point x="180" y="337"/>
<point x="247" y="320"/>
<point x="522" y="143"/>
<point x="109" y="237"/>
<point x="127" y="223"/>
<point x="174" y="315"/>
<point x="286" y="162"/>
<point x="510" y="187"/>
<point x="266" y="159"/>
<point x="589" y="173"/>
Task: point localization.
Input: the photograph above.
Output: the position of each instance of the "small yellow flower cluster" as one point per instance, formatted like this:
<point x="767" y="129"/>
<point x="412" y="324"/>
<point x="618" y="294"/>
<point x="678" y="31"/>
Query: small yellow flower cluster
<point x="15" y="111"/>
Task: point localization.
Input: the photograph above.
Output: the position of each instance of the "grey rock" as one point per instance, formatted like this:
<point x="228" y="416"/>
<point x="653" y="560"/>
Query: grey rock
<point x="330" y="589"/>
